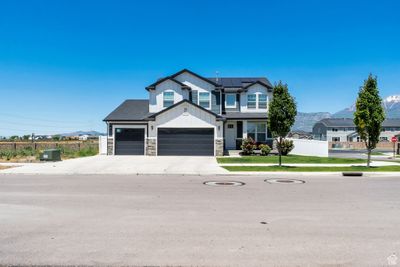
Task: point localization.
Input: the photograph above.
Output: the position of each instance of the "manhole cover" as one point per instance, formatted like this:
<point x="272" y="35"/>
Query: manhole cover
<point x="224" y="183"/>
<point x="284" y="181"/>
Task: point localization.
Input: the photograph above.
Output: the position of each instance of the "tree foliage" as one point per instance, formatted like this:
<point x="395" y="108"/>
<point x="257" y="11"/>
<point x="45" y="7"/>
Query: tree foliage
<point x="282" y="113"/>
<point x="369" y="114"/>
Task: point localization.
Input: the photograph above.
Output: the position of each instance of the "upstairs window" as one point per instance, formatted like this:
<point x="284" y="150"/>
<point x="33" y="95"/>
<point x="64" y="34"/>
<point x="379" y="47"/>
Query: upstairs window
<point x="168" y="99"/>
<point x="252" y="101"/>
<point x="204" y="99"/>
<point x="230" y="100"/>
<point x="262" y="101"/>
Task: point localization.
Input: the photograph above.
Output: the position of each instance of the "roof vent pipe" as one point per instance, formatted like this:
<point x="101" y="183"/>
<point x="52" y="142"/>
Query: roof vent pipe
<point x="216" y="76"/>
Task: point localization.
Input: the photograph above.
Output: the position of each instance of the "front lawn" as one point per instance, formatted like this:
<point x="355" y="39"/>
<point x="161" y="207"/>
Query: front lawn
<point x="310" y="169"/>
<point x="287" y="159"/>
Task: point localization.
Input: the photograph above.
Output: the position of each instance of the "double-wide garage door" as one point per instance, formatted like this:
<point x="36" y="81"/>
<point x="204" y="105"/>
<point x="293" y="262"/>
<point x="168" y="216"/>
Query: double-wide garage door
<point x="129" y="141"/>
<point x="185" y="142"/>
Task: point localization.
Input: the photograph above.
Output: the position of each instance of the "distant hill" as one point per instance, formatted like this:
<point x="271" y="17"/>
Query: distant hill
<point x="305" y="121"/>
<point x="78" y="133"/>
<point x="391" y="104"/>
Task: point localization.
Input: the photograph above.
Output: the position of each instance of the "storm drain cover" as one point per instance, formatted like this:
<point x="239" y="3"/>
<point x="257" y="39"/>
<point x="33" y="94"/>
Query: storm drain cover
<point x="284" y="181"/>
<point x="224" y="183"/>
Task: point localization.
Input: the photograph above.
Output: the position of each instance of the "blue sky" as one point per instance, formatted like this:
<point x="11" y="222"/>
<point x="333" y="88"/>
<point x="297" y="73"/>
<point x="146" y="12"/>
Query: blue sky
<point x="64" y="65"/>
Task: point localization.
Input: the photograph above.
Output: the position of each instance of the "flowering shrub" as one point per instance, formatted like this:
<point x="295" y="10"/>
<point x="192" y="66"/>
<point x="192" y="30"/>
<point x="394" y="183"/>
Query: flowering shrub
<point x="286" y="147"/>
<point x="265" y="149"/>
<point x="248" y="146"/>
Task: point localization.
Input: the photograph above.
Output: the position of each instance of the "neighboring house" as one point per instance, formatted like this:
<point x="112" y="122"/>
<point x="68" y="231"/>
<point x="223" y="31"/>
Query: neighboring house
<point x="187" y="114"/>
<point x="344" y="130"/>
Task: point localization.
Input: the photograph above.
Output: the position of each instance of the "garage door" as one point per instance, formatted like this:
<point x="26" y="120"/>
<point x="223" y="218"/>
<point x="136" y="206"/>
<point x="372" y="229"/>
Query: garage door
<point x="129" y="141"/>
<point x="185" y="142"/>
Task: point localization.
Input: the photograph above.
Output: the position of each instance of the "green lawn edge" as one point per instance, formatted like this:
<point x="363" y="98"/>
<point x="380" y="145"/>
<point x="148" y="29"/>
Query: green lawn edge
<point x="310" y="169"/>
<point x="288" y="159"/>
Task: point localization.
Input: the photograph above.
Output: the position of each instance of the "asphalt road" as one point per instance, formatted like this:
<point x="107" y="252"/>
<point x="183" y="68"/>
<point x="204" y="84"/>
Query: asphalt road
<point x="178" y="221"/>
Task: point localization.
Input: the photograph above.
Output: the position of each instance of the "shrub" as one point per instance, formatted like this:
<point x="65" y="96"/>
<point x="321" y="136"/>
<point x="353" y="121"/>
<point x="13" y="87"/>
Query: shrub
<point x="265" y="149"/>
<point x="286" y="147"/>
<point x="248" y="146"/>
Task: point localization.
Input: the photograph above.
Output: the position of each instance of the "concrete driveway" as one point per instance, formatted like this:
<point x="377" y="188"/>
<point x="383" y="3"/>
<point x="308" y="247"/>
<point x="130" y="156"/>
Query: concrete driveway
<point x="124" y="165"/>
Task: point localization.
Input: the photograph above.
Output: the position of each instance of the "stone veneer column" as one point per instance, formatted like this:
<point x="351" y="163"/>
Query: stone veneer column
<point x="110" y="146"/>
<point x="151" y="146"/>
<point x="219" y="147"/>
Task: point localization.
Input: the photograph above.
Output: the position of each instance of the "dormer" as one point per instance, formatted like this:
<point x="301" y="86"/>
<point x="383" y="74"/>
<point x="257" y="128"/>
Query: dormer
<point x="255" y="97"/>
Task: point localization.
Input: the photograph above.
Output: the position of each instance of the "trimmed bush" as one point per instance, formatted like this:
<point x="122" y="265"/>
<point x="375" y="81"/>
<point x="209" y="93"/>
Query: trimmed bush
<point x="248" y="146"/>
<point x="286" y="147"/>
<point x="265" y="149"/>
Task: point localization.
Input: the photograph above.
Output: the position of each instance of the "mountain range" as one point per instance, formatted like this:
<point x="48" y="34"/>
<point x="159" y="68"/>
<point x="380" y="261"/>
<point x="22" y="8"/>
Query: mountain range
<point x="305" y="121"/>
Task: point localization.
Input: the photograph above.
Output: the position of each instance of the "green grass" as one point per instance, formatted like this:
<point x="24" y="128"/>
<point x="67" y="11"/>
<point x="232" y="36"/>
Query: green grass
<point x="287" y="159"/>
<point x="376" y="153"/>
<point x="310" y="169"/>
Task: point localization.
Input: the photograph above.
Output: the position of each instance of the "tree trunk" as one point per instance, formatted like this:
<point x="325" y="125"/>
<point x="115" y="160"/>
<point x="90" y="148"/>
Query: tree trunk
<point x="279" y="151"/>
<point x="369" y="158"/>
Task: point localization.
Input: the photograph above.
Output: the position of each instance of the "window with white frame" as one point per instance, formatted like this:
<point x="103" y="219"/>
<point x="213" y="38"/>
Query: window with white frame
<point x="230" y="100"/>
<point x="252" y="101"/>
<point x="262" y="101"/>
<point x="335" y="139"/>
<point x="204" y="99"/>
<point x="257" y="131"/>
<point x="168" y="99"/>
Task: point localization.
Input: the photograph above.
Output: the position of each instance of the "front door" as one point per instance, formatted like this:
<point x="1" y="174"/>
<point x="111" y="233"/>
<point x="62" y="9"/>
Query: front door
<point x="230" y="135"/>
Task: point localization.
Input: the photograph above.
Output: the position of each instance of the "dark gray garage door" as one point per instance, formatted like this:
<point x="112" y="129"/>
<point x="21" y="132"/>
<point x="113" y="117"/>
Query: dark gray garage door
<point x="185" y="142"/>
<point x="129" y="141"/>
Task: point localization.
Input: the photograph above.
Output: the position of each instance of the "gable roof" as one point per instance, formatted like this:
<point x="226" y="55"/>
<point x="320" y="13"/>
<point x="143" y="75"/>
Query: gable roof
<point x="257" y="82"/>
<point x="240" y="82"/>
<point x="152" y="116"/>
<point x="196" y="75"/>
<point x="130" y="110"/>
<point x="153" y="85"/>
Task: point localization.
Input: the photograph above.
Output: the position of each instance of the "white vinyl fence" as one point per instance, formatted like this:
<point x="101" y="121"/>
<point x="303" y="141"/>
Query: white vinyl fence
<point x="307" y="147"/>
<point x="102" y="145"/>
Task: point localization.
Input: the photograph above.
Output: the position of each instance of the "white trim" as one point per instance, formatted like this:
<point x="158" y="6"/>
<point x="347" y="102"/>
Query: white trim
<point x="130" y="127"/>
<point x="173" y="97"/>
<point x="233" y="106"/>
<point x="257" y="108"/>
<point x="209" y="99"/>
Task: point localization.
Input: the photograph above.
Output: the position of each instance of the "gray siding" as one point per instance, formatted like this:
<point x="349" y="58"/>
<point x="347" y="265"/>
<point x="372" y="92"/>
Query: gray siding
<point x="215" y="102"/>
<point x="194" y="96"/>
<point x="231" y="109"/>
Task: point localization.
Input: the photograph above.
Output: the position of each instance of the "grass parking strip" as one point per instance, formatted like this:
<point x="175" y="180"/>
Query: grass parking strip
<point x="310" y="169"/>
<point x="288" y="159"/>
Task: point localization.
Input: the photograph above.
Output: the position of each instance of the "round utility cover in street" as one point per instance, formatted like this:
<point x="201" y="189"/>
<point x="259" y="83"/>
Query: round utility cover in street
<point x="284" y="181"/>
<point x="224" y="183"/>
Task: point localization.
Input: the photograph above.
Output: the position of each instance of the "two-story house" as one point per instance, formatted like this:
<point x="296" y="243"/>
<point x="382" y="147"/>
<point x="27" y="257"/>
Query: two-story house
<point x="187" y="114"/>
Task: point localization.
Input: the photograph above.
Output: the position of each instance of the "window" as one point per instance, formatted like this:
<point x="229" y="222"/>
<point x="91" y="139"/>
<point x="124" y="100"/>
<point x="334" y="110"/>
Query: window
<point x="383" y="139"/>
<point x="335" y="139"/>
<point x="230" y="100"/>
<point x="204" y="99"/>
<point x="252" y="101"/>
<point x="334" y="129"/>
<point x="257" y="131"/>
<point x="168" y="99"/>
<point x="230" y="126"/>
<point x="262" y="101"/>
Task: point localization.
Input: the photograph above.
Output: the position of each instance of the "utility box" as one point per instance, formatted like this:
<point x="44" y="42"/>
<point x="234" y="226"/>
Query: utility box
<point x="51" y="155"/>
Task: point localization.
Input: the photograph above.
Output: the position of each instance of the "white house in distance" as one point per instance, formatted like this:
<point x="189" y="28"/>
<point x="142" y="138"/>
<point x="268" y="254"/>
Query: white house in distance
<point x="187" y="114"/>
<point x="344" y="130"/>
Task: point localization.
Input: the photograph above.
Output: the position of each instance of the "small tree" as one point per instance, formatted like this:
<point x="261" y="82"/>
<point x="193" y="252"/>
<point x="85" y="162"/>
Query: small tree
<point x="369" y="115"/>
<point x="281" y="115"/>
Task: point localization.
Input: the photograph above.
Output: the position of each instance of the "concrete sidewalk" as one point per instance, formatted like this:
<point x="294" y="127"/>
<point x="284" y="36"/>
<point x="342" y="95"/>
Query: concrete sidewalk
<point x="124" y="165"/>
<point x="373" y="163"/>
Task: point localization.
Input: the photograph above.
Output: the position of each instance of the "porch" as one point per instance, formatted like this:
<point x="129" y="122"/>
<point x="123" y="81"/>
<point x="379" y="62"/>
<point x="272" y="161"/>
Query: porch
<point x="237" y="130"/>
